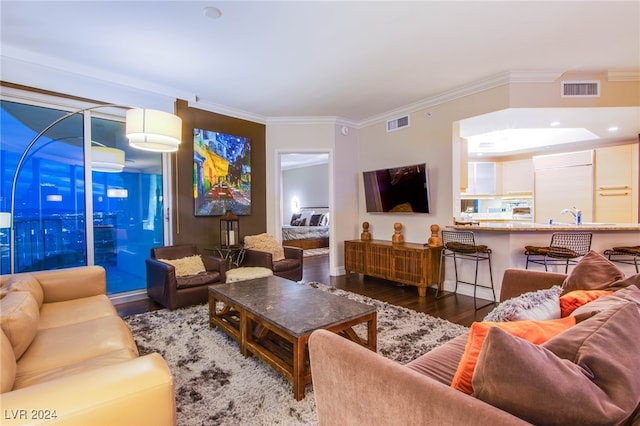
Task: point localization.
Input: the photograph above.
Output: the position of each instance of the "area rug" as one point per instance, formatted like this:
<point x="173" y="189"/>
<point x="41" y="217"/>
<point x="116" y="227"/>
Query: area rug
<point x="323" y="251"/>
<point x="216" y="385"/>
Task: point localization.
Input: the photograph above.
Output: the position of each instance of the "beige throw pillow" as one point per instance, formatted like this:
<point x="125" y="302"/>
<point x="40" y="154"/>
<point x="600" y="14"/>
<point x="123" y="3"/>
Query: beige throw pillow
<point x="8" y="364"/>
<point x="186" y="266"/>
<point x="19" y="315"/>
<point x="265" y="242"/>
<point x="23" y="282"/>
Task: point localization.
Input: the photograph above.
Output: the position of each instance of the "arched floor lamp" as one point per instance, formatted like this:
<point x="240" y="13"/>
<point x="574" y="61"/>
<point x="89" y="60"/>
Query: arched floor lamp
<point x="146" y="129"/>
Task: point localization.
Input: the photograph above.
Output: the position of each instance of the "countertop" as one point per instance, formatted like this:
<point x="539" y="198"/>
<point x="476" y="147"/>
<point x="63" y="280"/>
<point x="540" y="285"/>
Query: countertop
<point x="505" y="226"/>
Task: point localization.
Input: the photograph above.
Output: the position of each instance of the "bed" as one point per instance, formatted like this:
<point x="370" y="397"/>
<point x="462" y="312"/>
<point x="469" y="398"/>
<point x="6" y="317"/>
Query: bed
<point x="307" y="229"/>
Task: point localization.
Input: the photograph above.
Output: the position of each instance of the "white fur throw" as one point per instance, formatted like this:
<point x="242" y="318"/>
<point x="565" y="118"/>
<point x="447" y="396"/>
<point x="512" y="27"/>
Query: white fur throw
<point x="265" y="242"/>
<point x="247" y="273"/>
<point x="538" y="305"/>
<point x="191" y="265"/>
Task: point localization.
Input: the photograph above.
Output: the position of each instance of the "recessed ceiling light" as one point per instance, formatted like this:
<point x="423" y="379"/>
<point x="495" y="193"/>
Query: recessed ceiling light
<point x="212" y="12"/>
<point x="613" y="129"/>
<point x="554" y="123"/>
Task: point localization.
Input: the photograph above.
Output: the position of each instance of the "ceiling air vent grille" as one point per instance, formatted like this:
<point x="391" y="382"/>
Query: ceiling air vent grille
<point x="581" y="89"/>
<point x="397" y="123"/>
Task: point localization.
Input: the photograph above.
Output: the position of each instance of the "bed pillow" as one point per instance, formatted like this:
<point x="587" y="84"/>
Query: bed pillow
<point x="538" y="305"/>
<point x="324" y="221"/>
<point x="294" y="218"/>
<point x="533" y="331"/>
<point x="592" y="272"/>
<point x="305" y="217"/>
<point x="191" y="265"/>
<point x="572" y="378"/>
<point x="315" y="220"/>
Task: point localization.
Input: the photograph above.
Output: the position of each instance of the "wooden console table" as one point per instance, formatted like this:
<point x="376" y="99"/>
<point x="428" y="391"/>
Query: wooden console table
<point x="406" y="263"/>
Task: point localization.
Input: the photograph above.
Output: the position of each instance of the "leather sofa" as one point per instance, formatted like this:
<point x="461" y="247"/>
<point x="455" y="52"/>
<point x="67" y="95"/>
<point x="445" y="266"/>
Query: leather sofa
<point x="375" y="390"/>
<point x="68" y="358"/>
<point x="166" y="287"/>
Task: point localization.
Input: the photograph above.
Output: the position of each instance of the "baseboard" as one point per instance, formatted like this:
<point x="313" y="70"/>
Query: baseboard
<point x="129" y="296"/>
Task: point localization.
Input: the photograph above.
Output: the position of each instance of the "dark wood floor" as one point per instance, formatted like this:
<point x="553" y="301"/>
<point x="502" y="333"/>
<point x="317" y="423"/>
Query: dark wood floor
<point x="454" y="307"/>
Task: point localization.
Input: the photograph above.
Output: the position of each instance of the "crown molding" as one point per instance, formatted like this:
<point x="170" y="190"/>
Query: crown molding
<point x="26" y="68"/>
<point x="630" y="75"/>
<point x="477" y="86"/>
<point x="228" y="111"/>
<point x="309" y="120"/>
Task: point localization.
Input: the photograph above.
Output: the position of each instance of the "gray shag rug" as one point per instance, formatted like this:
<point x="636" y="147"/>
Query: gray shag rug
<point x="216" y="385"/>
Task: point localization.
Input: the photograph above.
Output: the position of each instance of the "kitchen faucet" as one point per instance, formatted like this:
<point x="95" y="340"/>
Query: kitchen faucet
<point x="577" y="214"/>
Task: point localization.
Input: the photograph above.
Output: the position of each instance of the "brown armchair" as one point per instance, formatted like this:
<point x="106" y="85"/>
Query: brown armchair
<point x="167" y="289"/>
<point x="290" y="267"/>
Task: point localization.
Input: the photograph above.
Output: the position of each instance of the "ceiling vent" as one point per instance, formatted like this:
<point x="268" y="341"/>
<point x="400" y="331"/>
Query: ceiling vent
<point x="581" y="89"/>
<point x="397" y="123"/>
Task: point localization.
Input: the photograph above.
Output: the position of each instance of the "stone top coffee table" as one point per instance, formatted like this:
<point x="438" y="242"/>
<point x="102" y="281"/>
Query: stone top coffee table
<point x="272" y="318"/>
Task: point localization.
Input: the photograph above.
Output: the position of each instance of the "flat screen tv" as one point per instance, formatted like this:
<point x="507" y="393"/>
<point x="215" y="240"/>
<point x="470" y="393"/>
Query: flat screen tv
<point x="397" y="190"/>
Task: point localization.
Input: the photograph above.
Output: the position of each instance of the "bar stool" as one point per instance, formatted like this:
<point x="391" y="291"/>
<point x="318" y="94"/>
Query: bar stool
<point x="565" y="248"/>
<point x="462" y="245"/>
<point x="628" y="255"/>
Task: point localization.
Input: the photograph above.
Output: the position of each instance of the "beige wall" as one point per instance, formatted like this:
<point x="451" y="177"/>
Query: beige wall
<point x="539" y="95"/>
<point x="428" y="139"/>
<point x="316" y="136"/>
<point x="432" y="137"/>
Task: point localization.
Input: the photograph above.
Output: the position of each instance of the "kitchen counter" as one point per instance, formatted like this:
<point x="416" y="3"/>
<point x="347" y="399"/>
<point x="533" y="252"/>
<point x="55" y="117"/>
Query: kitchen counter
<point x="508" y="239"/>
<point x="520" y="226"/>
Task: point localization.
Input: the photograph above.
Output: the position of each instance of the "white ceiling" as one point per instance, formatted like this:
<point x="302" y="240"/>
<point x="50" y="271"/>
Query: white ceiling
<point x="354" y="60"/>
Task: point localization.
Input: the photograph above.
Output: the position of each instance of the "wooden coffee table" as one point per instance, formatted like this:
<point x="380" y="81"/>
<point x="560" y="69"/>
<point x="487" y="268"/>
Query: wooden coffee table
<point x="272" y="318"/>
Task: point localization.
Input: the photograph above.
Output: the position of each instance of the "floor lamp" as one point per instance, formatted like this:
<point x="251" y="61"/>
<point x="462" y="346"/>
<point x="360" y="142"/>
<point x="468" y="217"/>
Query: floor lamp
<point x="146" y="129"/>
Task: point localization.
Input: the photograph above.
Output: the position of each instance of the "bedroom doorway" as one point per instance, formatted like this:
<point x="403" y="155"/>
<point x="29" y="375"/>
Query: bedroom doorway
<point x="304" y="204"/>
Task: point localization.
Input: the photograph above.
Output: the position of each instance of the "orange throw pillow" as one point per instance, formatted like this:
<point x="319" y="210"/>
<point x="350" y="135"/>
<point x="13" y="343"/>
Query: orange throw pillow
<point x="533" y="331"/>
<point x="574" y="299"/>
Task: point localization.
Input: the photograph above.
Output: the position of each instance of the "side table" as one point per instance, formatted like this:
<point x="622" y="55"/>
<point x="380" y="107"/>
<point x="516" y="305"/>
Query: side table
<point x="232" y="255"/>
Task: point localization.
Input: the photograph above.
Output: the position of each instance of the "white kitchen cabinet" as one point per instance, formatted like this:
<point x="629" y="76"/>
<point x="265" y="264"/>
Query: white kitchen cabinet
<point x="615" y="195"/>
<point x="563" y="181"/>
<point x="482" y="178"/>
<point x="517" y="177"/>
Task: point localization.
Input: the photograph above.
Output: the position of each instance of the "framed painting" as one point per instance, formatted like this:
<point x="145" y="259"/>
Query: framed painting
<point x="221" y="173"/>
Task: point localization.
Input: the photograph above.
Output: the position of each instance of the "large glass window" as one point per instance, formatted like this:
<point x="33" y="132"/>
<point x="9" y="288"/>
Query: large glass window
<point x="53" y="201"/>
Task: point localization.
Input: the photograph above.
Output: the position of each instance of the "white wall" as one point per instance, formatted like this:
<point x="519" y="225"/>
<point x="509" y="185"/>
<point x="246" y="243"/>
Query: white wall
<point x="310" y="185"/>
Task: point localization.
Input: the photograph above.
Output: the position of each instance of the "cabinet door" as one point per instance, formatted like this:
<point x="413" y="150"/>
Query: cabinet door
<point x="408" y="266"/>
<point x="355" y="257"/>
<point x="613" y="167"/>
<point x="378" y="261"/>
<point x="517" y="177"/>
<point x="482" y="178"/>
<point x="614" y="207"/>
<point x="614" y="184"/>
<point x="562" y="188"/>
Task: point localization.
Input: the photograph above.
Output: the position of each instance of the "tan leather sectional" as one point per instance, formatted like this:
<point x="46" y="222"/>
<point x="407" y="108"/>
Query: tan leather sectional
<point x="68" y="358"/>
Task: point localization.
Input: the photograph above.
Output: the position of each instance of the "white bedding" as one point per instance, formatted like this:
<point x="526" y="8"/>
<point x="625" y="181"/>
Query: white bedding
<point x="304" y="232"/>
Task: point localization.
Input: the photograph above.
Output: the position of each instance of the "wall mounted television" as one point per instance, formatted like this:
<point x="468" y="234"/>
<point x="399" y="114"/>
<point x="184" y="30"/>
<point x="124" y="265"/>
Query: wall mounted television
<point x="221" y="173"/>
<point x="397" y="190"/>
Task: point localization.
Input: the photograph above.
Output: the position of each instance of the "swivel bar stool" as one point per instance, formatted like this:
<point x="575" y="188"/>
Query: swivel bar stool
<point x="629" y="255"/>
<point x="462" y="245"/>
<point x="565" y="249"/>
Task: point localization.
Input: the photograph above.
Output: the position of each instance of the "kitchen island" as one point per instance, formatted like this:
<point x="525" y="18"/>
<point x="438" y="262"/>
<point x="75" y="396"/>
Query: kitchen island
<point x="508" y="239"/>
